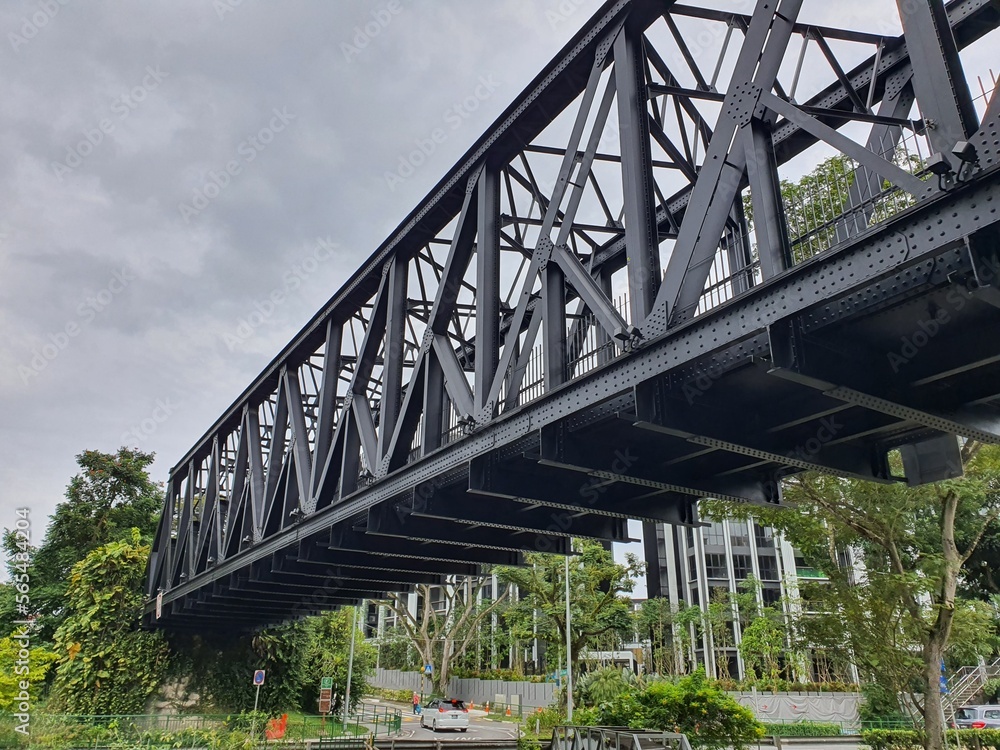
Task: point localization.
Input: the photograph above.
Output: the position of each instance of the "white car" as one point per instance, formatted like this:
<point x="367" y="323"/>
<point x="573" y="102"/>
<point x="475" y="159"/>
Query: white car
<point x="445" y="714"/>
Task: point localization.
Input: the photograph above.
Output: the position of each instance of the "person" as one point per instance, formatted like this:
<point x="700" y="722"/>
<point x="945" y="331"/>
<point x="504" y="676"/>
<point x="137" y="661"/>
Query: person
<point x="416" y="701"/>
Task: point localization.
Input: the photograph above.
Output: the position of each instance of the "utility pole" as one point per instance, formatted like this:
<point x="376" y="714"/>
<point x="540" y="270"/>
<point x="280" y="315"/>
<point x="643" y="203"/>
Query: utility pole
<point x="350" y="666"/>
<point x="569" y="653"/>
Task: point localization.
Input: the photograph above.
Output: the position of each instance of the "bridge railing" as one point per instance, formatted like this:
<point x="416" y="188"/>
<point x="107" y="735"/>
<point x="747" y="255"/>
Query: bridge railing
<point x="615" y="738"/>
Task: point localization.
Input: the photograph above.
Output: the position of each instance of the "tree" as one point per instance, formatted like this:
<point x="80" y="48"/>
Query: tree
<point x="597" y="606"/>
<point x="901" y="622"/>
<point x="656" y="620"/>
<point x="443" y="633"/>
<point x="15" y="670"/>
<point x="327" y="654"/>
<point x="107" y="664"/>
<point x="109" y="497"/>
<point x="762" y="645"/>
<point x="221" y="664"/>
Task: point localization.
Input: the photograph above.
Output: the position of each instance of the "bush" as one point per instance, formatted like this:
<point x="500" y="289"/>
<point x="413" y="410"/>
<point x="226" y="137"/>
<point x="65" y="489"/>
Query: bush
<point x="691" y="705"/>
<point x="879" y="705"/>
<point x="912" y="739"/>
<point x="991" y="690"/>
<point x="397" y="696"/>
<point x="802" y="729"/>
<point x="546" y="720"/>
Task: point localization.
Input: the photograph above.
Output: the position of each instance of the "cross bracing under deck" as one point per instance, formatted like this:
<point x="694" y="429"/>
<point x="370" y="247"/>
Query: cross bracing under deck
<point x="610" y="308"/>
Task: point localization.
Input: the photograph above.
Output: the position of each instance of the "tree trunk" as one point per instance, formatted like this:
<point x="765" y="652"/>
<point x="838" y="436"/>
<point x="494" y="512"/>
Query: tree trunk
<point x="933" y="709"/>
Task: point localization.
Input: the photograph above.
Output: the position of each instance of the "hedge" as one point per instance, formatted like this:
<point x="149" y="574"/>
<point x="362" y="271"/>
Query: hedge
<point x="802" y="729"/>
<point x="908" y="739"/>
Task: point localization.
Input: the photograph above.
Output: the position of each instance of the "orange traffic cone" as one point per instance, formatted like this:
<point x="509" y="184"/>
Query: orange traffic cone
<point x="508" y="711"/>
<point x="472" y="705"/>
<point x="487" y="706"/>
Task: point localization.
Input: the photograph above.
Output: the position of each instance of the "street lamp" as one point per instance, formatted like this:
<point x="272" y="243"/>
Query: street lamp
<point x="569" y="654"/>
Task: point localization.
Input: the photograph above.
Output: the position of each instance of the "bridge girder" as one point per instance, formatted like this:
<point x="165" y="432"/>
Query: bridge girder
<point x="479" y="389"/>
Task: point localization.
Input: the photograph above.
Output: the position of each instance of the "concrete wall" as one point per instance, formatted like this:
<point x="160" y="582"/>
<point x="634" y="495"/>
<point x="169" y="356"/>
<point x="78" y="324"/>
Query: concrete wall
<point x="836" y="707"/>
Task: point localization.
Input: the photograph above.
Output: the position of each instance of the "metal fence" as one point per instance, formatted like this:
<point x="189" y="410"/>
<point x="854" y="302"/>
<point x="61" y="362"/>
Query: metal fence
<point x="163" y="730"/>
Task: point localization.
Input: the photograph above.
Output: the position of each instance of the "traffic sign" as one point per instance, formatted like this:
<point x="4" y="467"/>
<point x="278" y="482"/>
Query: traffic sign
<point x="428" y="668"/>
<point x="258" y="677"/>
<point x="326" y="683"/>
<point x="325" y="698"/>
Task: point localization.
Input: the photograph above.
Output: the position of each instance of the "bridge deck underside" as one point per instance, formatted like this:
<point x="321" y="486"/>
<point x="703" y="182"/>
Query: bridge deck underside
<point x="834" y="389"/>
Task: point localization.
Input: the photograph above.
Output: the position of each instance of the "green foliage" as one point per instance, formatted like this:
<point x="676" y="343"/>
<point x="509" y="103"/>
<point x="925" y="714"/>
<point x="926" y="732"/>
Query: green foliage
<point x="326" y="655"/>
<point x="802" y="729"/>
<point x="110" y="496"/>
<point x="388" y="694"/>
<point x="545" y="720"/>
<point x="395" y="650"/>
<point x="14" y="671"/>
<point x="604" y="685"/>
<point x="911" y="739"/>
<point x="60" y="732"/>
<point x="598" y="608"/>
<point x="878" y="704"/>
<point x="108" y="665"/>
<point x="221" y="668"/>
<point x="691" y="705"/>
<point x="763" y="644"/>
<point x="914" y="542"/>
<point x="991" y="689"/>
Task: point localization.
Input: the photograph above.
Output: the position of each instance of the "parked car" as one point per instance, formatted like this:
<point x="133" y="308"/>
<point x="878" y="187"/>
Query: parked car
<point x="978" y="717"/>
<point x="445" y="714"/>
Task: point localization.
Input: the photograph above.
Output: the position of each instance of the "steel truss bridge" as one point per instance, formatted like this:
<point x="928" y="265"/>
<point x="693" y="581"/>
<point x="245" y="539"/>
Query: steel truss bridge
<point x="614" y="305"/>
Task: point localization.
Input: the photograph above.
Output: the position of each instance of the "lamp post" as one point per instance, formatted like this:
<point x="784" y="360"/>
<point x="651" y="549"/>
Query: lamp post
<point x="569" y="653"/>
<point x="350" y="666"/>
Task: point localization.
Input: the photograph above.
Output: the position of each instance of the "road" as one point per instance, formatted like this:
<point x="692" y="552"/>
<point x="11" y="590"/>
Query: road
<point x="480" y="728"/>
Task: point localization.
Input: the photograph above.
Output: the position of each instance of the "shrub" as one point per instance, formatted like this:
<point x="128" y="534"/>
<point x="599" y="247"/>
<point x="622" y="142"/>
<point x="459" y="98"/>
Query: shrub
<point x="691" y="705"/>
<point x="605" y="684"/>
<point x="991" y="689"/>
<point x="912" y="739"/>
<point x="879" y="704"/>
<point x="802" y="729"/>
<point x="546" y="720"/>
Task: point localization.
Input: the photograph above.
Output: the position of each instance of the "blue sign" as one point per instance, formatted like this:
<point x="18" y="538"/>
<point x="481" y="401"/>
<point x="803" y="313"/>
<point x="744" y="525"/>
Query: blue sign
<point x="258" y="677"/>
<point x="944" y="685"/>
<point x="428" y="668"/>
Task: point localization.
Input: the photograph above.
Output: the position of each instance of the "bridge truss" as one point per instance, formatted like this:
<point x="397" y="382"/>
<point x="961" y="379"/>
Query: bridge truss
<point x="613" y="306"/>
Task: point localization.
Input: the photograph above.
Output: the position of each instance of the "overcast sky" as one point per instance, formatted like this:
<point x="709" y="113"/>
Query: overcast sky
<point x="166" y="165"/>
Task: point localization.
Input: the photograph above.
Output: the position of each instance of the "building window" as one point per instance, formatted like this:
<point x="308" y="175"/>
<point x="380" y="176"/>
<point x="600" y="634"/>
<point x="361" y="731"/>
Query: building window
<point x="771" y="596"/>
<point x="768" y="568"/>
<point x="714" y="535"/>
<point x="715" y="566"/>
<point x="689" y="535"/>
<point x="692" y="568"/>
<point x="764" y="536"/>
<point x="738" y="535"/>
<point x="742" y="567"/>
